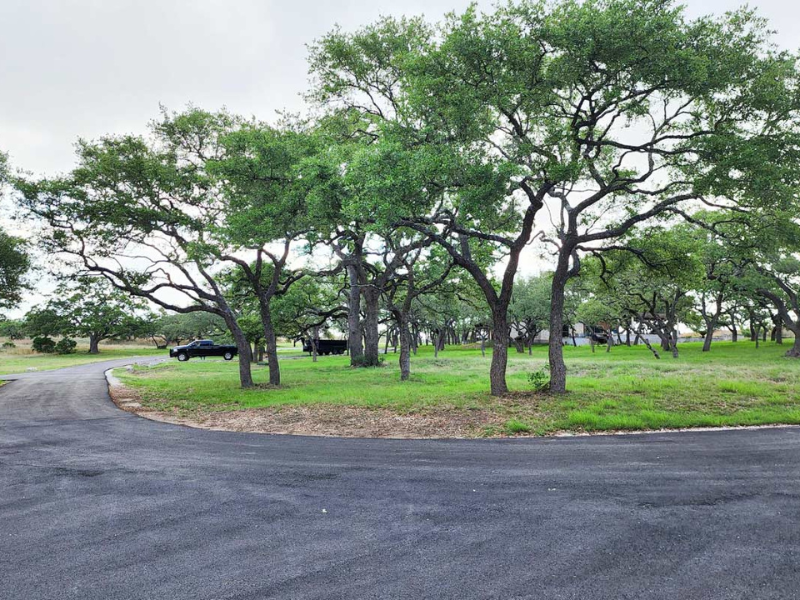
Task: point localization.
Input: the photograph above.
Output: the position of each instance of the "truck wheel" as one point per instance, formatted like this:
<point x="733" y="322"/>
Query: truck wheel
<point x="228" y="356"/>
<point x="183" y="357"/>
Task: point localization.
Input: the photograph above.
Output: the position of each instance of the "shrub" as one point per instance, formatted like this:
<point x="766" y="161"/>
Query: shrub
<point x="13" y="329"/>
<point x="8" y="345"/>
<point x="66" y="346"/>
<point x="43" y="344"/>
<point x="540" y="380"/>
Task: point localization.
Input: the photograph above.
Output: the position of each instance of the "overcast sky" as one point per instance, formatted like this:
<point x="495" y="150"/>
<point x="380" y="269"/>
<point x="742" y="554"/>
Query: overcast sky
<point x="84" y="68"/>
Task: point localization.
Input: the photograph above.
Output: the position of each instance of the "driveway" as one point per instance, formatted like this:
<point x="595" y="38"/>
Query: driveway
<point x="96" y="503"/>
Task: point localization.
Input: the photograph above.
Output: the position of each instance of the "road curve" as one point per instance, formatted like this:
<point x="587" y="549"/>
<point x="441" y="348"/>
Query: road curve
<point x="96" y="503"/>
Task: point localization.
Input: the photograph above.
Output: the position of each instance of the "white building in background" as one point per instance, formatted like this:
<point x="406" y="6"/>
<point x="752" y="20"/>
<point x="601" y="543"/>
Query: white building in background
<point x="582" y="337"/>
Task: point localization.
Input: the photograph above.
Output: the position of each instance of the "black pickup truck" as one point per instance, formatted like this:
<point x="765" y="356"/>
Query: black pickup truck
<point x="202" y="348"/>
<point x="326" y="346"/>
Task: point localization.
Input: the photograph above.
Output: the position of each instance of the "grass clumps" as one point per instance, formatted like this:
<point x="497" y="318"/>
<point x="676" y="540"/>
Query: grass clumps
<point x="623" y="390"/>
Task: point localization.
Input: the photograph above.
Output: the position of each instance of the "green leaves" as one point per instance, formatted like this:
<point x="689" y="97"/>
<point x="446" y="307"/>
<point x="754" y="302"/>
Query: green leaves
<point x="263" y="174"/>
<point x="91" y="307"/>
<point x="612" y="97"/>
<point x="15" y="263"/>
<point x="530" y="301"/>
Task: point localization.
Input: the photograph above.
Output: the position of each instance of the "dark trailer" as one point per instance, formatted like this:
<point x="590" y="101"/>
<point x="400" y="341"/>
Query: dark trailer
<point x="326" y="347"/>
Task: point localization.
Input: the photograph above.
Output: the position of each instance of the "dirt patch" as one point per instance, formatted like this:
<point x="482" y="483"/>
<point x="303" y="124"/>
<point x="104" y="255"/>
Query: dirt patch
<point x="350" y="421"/>
<point x="323" y="419"/>
<point x="353" y="421"/>
<point x="125" y="398"/>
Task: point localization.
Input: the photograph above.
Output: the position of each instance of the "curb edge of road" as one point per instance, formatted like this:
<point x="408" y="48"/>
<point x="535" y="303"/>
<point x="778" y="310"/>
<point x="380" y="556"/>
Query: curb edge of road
<point x="123" y="397"/>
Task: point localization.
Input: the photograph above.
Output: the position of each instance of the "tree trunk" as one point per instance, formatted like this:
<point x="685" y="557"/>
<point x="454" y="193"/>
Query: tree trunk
<point x="558" y="369"/>
<point x="663" y="336"/>
<point x="734" y="335"/>
<point x="94" y="344"/>
<point x="354" y="346"/>
<point x="372" y="298"/>
<point x="640" y="335"/>
<point x="497" y="370"/>
<point x="779" y="331"/>
<point x="405" y="349"/>
<point x="314" y="348"/>
<point x="243" y="346"/>
<point x="441" y="338"/>
<point x="794" y="351"/>
<point x="711" y="325"/>
<point x="271" y="343"/>
<point x="709" y="337"/>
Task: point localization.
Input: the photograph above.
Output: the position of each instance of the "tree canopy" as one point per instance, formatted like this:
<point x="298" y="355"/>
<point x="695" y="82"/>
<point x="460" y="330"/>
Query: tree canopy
<point x="595" y="116"/>
<point x="636" y="150"/>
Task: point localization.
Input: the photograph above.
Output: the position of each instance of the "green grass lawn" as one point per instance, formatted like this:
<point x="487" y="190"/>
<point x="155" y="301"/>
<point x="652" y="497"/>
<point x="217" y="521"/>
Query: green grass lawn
<point x="20" y="360"/>
<point x="626" y="389"/>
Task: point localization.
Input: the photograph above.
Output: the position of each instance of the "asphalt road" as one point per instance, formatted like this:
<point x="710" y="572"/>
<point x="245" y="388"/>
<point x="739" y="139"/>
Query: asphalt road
<point x="99" y="504"/>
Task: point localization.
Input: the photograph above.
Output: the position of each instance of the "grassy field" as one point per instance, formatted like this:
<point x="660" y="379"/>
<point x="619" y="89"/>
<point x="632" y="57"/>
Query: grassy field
<point x="626" y="389"/>
<point x="22" y="359"/>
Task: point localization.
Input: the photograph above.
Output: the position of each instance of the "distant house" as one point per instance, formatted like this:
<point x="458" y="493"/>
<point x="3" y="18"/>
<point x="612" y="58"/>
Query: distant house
<point x="581" y="334"/>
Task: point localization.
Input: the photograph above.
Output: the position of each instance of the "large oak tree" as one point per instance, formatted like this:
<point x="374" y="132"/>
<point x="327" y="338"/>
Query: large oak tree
<point x="142" y="212"/>
<point x="580" y="119"/>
